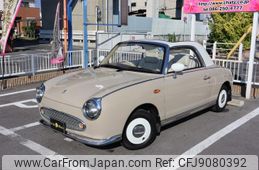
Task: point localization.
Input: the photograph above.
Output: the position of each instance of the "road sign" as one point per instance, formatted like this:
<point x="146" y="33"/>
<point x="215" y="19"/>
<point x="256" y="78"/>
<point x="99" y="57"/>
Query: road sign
<point x="211" y="6"/>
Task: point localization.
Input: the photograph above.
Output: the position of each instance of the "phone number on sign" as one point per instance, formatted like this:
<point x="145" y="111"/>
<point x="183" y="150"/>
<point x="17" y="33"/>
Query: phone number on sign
<point x="224" y="8"/>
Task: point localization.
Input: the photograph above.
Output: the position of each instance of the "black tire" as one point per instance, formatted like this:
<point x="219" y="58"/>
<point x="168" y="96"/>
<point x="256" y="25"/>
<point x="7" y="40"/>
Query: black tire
<point x="144" y="124"/>
<point x="222" y="99"/>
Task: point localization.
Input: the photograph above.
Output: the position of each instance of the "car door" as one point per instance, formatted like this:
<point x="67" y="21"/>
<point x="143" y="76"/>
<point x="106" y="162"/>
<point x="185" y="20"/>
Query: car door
<point x="191" y="88"/>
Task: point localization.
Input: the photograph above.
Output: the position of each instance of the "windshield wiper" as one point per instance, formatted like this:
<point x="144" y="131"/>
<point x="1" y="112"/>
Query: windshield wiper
<point x="128" y="68"/>
<point x="138" y="69"/>
<point x="145" y="70"/>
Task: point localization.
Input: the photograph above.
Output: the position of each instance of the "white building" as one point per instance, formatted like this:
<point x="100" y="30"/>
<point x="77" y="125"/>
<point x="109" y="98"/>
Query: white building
<point x="171" y="8"/>
<point x="159" y="18"/>
<point x="135" y="5"/>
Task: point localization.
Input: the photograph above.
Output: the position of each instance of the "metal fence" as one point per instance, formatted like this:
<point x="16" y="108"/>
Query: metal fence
<point x="221" y="50"/>
<point x="239" y="70"/>
<point x="35" y="63"/>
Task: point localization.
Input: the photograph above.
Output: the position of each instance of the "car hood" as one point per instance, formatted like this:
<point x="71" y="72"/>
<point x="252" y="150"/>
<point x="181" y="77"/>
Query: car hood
<point x="76" y="88"/>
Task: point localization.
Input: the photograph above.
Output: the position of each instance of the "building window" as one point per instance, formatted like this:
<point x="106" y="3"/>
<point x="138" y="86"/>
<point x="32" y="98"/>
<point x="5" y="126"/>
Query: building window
<point x="25" y="4"/>
<point x="115" y="7"/>
<point x="145" y="3"/>
<point x="134" y="4"/>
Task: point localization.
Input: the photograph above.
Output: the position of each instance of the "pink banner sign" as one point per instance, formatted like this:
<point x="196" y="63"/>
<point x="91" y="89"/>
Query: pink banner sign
<point x="212" y="6"/>
<point x="11" y="8"/>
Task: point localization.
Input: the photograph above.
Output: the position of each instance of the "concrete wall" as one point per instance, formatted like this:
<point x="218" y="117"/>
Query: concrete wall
<point x="106" y="41"/>
<point x="49" y="8"/>
<point x="77" y="19"/>
<point x="135" y="24"/>
<point x="91" y="14"/>
<point x="176" y="26"/>
<point x="159" y="26"/>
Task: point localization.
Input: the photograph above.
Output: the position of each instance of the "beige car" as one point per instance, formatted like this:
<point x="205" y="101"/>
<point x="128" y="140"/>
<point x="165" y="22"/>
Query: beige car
<point x="137" y="88"/>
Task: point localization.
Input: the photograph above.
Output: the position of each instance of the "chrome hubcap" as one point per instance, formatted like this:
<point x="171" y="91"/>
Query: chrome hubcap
<point x="223" y="98"/>
<point x="138" y="131"/>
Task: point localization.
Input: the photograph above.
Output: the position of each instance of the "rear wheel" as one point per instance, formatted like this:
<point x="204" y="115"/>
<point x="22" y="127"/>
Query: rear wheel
<point x="222" y="100"/>
<point x="140" y="130"/>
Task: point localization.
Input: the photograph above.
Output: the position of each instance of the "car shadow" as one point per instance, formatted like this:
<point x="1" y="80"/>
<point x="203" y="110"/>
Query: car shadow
<point x="111" y="148"/>
<point x="184" y="119"/>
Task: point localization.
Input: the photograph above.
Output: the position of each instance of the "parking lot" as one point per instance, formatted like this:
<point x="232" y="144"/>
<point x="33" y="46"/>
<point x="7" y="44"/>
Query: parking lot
<point x="234" y="131"/>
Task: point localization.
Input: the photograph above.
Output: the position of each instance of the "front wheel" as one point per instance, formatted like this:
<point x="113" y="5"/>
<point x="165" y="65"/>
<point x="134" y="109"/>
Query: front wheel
<point x="140" y="130"/>
<point x="222" y="100"/>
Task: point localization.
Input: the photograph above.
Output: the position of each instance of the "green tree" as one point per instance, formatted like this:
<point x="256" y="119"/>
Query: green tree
<point x="172" y="37"/>
<point x="229" y="27"/>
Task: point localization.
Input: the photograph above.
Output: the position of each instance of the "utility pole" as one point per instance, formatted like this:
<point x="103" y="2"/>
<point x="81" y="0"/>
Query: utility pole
<point x="65" y="26"/>
<point x="193" y="22"/>
<point x="252" y="56"/>
<point x="86" y="58"/>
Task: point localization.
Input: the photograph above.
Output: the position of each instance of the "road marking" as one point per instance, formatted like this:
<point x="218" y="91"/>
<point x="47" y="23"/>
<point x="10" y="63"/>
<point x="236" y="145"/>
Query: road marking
<point x="46" y="152"/>
<point x="17" y="92"/>
<point x="100" y="87"/>
<point x="22" y="104"/>
<point x="25" y="126"/>
<point x="192" y="152"/>
<point x="28" y="143"/>
<point x="68" y="139"/>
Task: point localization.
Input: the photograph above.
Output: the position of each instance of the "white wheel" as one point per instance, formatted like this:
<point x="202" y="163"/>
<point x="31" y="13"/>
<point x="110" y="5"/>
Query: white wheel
<point x="222" y="99"/>
<point x="138" y="131"/>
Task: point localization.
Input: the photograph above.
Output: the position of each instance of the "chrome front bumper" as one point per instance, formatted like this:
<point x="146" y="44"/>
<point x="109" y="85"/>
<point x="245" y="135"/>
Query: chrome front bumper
<point x="89" y="141"/>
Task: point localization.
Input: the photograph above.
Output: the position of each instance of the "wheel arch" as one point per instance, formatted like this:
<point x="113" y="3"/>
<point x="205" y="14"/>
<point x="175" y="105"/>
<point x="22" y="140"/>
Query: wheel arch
<point x="228" y="85"/>
<point x="153" y="110"/>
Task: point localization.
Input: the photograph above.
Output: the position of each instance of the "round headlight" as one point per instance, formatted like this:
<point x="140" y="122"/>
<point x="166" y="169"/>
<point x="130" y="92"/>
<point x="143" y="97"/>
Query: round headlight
<point x="92" y="108"/>
<point x="40" y="93"/>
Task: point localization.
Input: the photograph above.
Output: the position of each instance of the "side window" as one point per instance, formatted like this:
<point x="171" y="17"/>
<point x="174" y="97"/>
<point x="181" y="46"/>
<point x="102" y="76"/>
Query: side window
<point x="185" y="56"/>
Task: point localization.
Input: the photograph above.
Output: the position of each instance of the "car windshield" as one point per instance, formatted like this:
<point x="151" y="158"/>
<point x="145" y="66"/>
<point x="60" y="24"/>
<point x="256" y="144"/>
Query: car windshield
<point x="138" y="57"/>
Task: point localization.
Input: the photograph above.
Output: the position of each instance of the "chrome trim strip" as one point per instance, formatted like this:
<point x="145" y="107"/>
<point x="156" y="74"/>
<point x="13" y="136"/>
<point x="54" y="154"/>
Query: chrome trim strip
<point x="86" y="140"/>
<point x="186" y="114"/>
<point x="95" y="142"/>
<point x="144" y="81"/>
<point x="194" y="70"/>
<point x="162" y="76"/>
<point x="69" y="115"/>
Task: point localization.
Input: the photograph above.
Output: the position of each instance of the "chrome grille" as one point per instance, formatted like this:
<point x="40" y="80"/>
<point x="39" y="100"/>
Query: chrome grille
<point x="70" y="121"/>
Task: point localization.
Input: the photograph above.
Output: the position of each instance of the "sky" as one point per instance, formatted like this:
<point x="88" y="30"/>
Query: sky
<point x="38" y="3"/>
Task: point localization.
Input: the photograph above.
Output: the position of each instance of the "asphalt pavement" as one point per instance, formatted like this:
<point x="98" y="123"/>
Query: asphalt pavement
<point x="205" y="132"/>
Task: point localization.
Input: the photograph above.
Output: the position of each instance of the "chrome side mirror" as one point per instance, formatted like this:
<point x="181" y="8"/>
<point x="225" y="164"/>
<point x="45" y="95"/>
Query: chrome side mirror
<point x="177" y="68"/>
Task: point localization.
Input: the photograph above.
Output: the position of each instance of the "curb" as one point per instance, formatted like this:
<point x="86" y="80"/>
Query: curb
<point x="29" y="79"/>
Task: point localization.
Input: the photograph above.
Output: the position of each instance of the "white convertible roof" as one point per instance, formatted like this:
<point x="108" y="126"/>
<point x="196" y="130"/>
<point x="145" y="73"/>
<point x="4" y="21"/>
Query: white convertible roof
<point x="207" y="60"/>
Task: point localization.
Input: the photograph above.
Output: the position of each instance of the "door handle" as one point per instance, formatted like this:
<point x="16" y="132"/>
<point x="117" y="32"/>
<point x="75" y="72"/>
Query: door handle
<point x="206" y="77"/>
